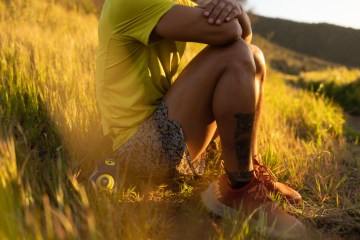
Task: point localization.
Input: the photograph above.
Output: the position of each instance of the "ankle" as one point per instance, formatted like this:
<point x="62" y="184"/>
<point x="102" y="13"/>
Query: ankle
<point x="239" y="179"/>
<point x="235" y="184"/>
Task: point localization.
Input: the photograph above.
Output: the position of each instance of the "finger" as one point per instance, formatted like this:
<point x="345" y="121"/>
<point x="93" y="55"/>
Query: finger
<point x="233" y="14"/>
<point x="224" y="14"/>
<point x="216" y="12"/>
<point x="210" y="7"/>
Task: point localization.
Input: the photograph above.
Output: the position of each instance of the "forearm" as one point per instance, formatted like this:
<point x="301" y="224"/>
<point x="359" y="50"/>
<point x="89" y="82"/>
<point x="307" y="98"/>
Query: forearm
<point x="187" y="24"/>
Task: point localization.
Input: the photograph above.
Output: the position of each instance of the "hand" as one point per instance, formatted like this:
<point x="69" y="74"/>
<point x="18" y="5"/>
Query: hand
<point x="220" y="11"/>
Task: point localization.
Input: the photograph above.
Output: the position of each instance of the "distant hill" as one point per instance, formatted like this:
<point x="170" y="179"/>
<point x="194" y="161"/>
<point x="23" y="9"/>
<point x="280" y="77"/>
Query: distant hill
<point x="328" y="42"/>
<point x="288" y="61"/>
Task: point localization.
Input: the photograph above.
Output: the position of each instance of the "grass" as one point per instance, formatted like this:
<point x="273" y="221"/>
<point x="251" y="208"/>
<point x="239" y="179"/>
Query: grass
<point x="49" y="142"/>
<point x="341" y="85"/>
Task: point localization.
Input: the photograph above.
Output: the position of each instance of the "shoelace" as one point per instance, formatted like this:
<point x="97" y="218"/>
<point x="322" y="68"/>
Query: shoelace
<point x="268" y="174"/>
<point x="264" y="177"/>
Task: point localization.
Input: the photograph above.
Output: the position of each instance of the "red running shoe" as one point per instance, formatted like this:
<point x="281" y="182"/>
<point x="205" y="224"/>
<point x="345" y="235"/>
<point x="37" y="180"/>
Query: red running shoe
<point x="249" y="200"/>
<point x="273" y="185"/>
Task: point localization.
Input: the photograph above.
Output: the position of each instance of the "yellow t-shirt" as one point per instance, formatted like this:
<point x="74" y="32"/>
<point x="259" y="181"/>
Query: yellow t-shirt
<point x="133" y="73"/>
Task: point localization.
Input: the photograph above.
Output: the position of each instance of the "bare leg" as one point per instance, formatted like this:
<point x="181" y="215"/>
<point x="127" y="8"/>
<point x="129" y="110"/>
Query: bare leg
<point x="218" y="88"/>
<point x="259" y="81"/>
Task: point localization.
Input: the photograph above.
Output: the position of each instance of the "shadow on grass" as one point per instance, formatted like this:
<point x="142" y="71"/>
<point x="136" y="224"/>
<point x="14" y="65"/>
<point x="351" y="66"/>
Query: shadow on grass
<point x="340" y="221"/>
<point x="40" y="159"/>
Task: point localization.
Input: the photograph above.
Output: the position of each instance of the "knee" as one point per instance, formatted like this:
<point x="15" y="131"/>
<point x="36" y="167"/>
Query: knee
<point x="239" y="56"/>
<point x="259" y="59"/>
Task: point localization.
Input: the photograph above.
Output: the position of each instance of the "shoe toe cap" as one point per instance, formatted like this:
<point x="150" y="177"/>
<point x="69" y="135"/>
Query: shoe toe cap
<point x="295" y="197"/>
<point x="290" y="194"/>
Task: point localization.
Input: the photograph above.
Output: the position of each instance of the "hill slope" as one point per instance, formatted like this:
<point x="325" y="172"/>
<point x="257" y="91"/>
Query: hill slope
<point x="289" y="61"/>
<point x="325" y="41"/>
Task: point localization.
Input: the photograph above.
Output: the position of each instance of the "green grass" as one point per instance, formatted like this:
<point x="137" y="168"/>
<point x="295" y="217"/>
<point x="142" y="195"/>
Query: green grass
<point x="341" y="85"/>
<point x="49" y="142"/>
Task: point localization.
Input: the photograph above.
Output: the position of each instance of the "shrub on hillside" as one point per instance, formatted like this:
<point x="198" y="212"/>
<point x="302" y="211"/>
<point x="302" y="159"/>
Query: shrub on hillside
<point x="347" y="95"/>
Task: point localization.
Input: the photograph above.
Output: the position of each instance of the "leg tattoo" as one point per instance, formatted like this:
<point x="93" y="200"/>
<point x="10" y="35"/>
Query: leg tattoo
<point x="243" y="139"/>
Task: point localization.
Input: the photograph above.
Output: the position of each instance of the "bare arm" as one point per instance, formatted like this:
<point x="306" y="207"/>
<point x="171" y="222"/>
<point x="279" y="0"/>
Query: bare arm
<point x="188" y="24"/>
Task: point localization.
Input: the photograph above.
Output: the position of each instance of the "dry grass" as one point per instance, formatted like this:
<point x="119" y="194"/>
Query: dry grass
<point x="49" y="141"/>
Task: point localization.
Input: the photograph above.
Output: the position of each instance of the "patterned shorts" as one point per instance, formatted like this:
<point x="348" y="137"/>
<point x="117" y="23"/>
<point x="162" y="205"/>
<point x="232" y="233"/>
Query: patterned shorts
<point x="158" y="148"/>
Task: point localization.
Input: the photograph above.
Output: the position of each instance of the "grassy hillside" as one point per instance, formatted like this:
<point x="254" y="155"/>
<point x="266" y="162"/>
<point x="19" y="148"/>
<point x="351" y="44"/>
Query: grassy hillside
<point x="288" y="61"/>
<point x="340" y="84"/>
<point x="50" y="140"/>
<point x="328" y="42"/>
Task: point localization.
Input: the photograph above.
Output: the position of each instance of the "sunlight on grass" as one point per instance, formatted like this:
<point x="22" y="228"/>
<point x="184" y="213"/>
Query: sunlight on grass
<point x="339" y="75"/>
<point x="51" y="137"/>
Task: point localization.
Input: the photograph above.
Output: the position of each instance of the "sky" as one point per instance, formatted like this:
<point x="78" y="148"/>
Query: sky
<point x="344" y="12"/>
